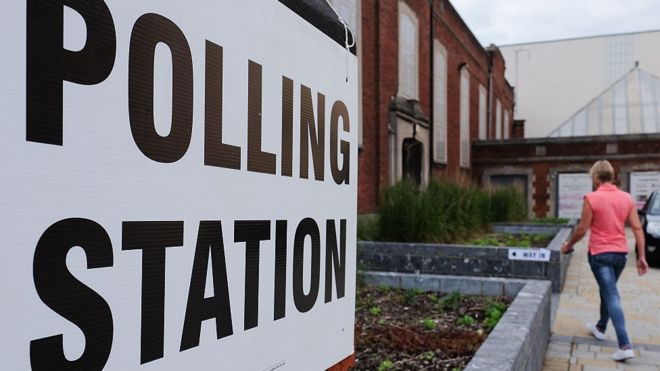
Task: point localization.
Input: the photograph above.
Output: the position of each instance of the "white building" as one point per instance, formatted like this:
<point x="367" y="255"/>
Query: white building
<point x="555" y="80"/>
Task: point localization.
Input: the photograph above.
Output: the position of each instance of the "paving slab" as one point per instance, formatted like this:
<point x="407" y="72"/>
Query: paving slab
<point x="579" y="303"/>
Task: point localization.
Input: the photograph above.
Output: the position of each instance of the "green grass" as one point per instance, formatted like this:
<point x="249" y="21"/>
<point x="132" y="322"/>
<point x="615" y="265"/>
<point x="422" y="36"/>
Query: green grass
<point x="511" y="240"/>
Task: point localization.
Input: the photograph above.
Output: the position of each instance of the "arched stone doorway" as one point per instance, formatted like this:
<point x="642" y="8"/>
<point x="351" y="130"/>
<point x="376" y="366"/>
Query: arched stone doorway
<point x="412" y="152"/>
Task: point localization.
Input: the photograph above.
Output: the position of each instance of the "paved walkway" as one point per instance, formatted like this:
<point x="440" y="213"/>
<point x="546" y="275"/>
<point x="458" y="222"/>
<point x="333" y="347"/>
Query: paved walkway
<point x="572" y="347"/>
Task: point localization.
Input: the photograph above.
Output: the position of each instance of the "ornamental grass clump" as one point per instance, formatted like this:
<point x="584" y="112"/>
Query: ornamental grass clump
<point x="445" y="212"/>
<point x="507" y="205"/>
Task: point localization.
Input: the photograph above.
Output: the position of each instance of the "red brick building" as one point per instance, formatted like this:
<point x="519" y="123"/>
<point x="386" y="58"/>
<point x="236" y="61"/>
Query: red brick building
<point x="536" y="165"/>
<point x="428" y="89"/>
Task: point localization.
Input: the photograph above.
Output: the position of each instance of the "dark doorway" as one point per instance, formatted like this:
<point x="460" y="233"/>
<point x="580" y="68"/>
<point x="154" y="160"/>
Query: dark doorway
<point x="412" y="151"/>
<point x="519" y="182"/>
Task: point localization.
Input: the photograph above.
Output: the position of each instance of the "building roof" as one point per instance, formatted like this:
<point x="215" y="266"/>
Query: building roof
<point x="577" y="38"/>
<point x="631" y="105"/>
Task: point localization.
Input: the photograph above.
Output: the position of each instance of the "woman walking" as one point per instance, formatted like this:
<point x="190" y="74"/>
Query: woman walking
<point x="605" y="212"/>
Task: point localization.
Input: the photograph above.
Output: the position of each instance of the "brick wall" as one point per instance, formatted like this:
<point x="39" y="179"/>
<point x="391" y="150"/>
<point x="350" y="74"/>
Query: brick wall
<point x="546" y="157"/>
<point x="379" y="58"/>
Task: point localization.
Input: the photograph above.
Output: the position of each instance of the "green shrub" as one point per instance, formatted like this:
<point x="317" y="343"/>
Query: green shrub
<point x="367" y="227"/>
<point x="403" y="215"/>
<point x="445" y="212"/>
<point x="507" y="204"/>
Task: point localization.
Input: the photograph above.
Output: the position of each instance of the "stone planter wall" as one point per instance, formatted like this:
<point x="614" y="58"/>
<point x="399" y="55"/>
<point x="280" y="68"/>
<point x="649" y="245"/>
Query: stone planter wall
<point x="536" y="227"/>
<point x="464" y="260"/>
<point x="520" y="339"/>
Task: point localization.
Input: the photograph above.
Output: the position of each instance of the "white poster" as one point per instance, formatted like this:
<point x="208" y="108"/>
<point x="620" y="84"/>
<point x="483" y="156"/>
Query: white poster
<point x="642" y="184"/>
<point x="178" y="187"/>
<point x="571" y="189"/>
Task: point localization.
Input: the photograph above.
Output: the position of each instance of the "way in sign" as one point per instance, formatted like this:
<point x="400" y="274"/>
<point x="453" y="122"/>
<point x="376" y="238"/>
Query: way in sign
<point x="530" y="254"/>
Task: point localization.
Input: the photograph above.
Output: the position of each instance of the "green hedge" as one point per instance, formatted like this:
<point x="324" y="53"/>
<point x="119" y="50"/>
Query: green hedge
<point x="445" y="212"/>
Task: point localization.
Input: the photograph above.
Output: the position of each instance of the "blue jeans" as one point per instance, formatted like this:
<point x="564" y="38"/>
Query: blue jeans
<point x="607" y="269"/>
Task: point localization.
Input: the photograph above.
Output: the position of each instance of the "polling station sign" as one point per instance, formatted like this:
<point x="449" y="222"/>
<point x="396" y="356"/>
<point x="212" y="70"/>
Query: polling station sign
<point x="178" y="186"/>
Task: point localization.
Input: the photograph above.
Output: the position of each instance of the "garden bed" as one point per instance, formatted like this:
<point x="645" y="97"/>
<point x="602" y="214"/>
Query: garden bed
<point x="400" y="329"/>
<point x="469" y="260"/>
<point x="518" y="341"/>
<point x="512" y="239"/>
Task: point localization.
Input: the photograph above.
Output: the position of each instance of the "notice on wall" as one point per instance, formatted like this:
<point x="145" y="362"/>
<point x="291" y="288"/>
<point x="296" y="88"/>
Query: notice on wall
<point x="178" y="187"/>
<point x="571" y="189"/>
<point x="542" y="255"/>
<point x="642" y="184"/>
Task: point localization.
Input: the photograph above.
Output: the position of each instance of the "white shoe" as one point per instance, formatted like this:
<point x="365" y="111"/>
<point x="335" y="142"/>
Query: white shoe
<point x="623" y="354"/>
<point x="595" y="332"/>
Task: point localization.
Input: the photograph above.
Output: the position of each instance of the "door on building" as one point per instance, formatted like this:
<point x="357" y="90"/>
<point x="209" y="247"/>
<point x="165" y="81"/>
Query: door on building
<point x="516" y="181"/>
<point x="412" y="152"/>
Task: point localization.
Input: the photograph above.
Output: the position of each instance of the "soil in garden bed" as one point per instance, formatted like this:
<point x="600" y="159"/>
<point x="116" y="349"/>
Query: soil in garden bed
<point x="414" y="330"/>
<point x="512" y="240"/>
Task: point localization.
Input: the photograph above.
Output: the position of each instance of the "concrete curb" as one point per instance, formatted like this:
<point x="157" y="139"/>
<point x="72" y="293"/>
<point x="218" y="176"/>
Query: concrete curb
<point x="520" y="339"/>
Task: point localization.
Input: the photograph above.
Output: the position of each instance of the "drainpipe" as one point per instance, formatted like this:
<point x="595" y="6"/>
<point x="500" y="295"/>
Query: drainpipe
<point x="431" y="92"/>
<point x="490" y="95"/>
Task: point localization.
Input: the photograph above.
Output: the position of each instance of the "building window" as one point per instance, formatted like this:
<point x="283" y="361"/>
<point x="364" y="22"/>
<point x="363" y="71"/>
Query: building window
<point x="498" y="120"/>
<point x="507" y="127"/>
<point x="439" y="102"/>
<point x="482" y="112"/>
<point x="465" y="118"/>
<point x="408" y="34"/>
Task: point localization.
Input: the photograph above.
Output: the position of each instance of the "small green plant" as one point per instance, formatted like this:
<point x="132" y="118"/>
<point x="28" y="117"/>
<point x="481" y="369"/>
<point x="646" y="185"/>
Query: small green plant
<point x="452" y="301"/>
<point x="381" y="321"/>
<point x="410" y="295"/>
<point x="456" y="369"/>
<point x="374" y="311"/>
<point x="369" y="301"/>
<point x="427" y="356"/>
<point x="433" y="298"/>
<point x="384" y="289"/>
<point x="466" y="320"/>
<point x="493" y="315"/>
<point x="385" y="365"/>
<point x="429" y="324"/>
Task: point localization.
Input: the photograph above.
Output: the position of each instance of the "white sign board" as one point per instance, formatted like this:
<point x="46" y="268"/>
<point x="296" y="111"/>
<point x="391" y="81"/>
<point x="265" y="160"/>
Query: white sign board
<point x="642" y="184"/>
<point x="178" y="187"/>
<point x="541" y="255"/>
<point x="571" y="189"/>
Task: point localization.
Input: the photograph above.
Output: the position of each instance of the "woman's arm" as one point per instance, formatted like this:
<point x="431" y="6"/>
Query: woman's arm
<point x="636" y="226"/>
<point x="583" y="227"/>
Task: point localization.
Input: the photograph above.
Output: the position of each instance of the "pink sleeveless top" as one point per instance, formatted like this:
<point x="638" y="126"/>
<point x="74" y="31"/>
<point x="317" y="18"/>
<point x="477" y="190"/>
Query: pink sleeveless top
<point x="610" y="208"/>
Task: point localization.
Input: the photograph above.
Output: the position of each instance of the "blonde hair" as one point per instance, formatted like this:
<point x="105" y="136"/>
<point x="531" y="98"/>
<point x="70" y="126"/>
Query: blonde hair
<point x="602" y="170"/>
